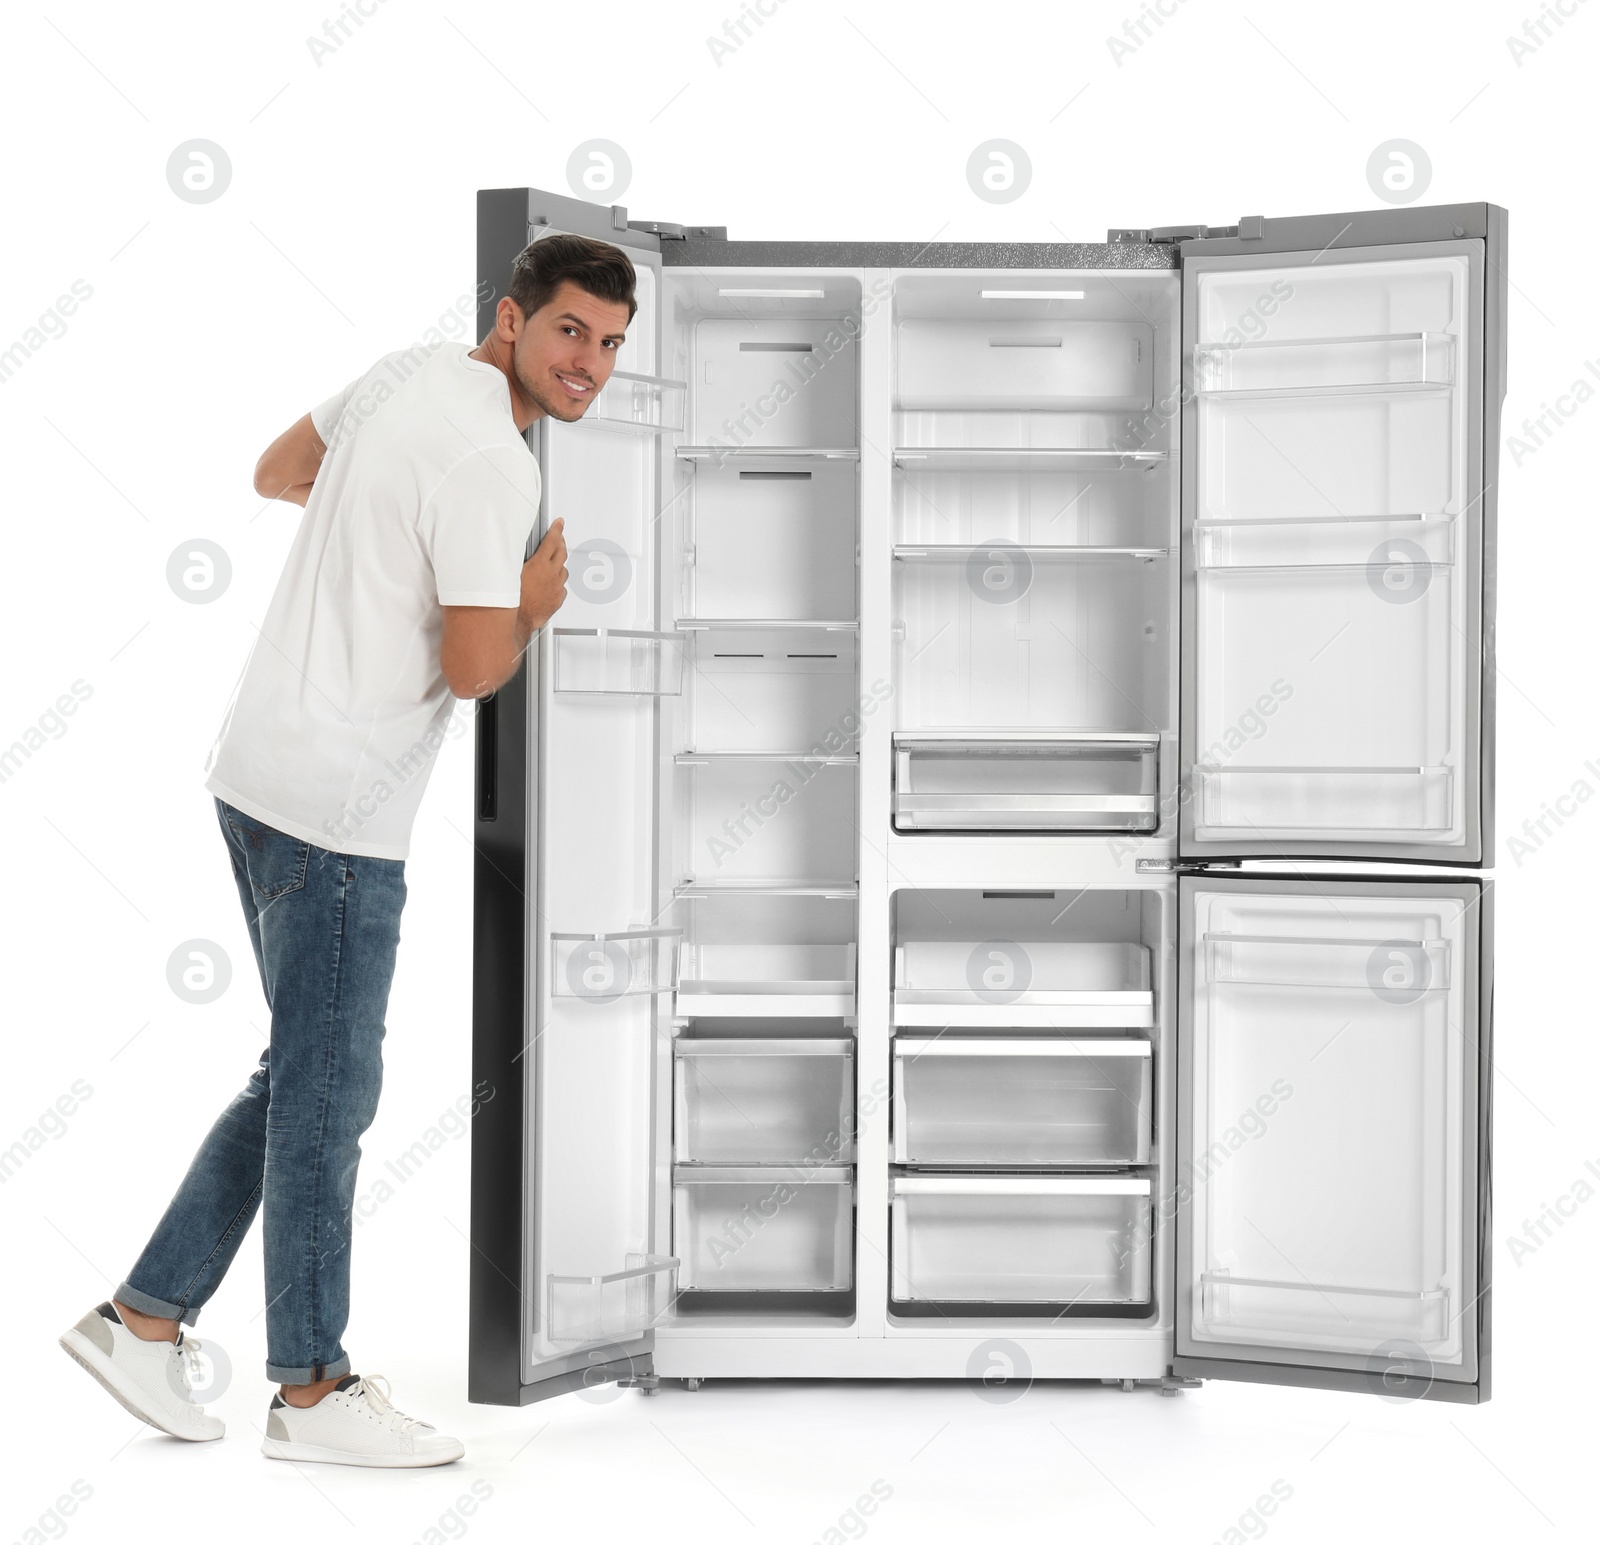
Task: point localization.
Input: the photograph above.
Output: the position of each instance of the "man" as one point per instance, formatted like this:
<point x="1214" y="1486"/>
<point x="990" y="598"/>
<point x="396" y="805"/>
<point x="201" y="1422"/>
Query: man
<point x="404" y="589"/>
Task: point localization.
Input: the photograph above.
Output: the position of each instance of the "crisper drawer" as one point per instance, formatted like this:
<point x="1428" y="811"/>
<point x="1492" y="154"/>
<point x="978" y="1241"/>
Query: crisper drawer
<point x="1023" y="984"/>
<point x="983" y="1100"/>
<point x="1085" y="783"/>
<point x="763" y="1100"/>
<point x="1046" y="1239"/>
<point x="746" y="1229"/>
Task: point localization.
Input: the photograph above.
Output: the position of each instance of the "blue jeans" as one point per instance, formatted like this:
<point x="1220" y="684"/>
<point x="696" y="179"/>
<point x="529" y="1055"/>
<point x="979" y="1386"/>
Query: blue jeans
<point x="325" y="927"/>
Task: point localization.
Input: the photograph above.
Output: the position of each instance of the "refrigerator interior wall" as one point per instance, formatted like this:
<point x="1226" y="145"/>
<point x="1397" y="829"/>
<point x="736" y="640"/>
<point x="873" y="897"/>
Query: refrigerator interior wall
<point x="760" y="818"/>
<point x="1331" y="1024"/>
<point x="1034" y="517"/>
<point x="597" y="1267"/>
<point x="1336" y="550"/>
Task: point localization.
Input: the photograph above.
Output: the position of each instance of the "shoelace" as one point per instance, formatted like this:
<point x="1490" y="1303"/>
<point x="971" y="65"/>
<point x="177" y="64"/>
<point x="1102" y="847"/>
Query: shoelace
<point x="191" y="1368"/>
<point x="380" y="1402"/>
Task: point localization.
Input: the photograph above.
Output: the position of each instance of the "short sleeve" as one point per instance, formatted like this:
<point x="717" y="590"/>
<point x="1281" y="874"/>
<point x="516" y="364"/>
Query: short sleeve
<point x="475" y="527"/>
<point x="327" y="414"/>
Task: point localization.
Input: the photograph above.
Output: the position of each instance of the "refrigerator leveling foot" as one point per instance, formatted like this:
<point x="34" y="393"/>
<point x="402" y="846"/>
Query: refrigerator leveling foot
<point x="645" y="1383"/>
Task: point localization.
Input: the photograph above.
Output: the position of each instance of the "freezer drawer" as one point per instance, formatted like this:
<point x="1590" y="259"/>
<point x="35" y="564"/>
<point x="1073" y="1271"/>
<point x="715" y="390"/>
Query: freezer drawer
<point x="1008" y="984"/>
<point x="1026" y="782"/>
<point x="983" y="1100"/>
<point x="763" y="1100"/>
<point x="1047" y="1239"/>
<point x="747" y="1229"/>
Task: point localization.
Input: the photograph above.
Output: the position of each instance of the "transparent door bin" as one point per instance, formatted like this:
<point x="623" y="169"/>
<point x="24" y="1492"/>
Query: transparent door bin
<point x="602" y="967"/>
<point x="745" y="1229"/>
<point x="1009" y="984"/>
<point x="1026" y="782"/>
<point x="759" y="1100"/>
<point x="1375" y="362"/>
<point x="1367" y="544"/>
<point x="783" y="981"/>
<point x="968" y="1101"/>
<point x="632" y="401"/>
<point x="612" y="1306"/>
<point x="1408" y="967"/>
<point x="1343" y="804"/>
<point x="617" y="661"/>
<point x="1334" y="1317"/>
<point x="1008" y="1239"/>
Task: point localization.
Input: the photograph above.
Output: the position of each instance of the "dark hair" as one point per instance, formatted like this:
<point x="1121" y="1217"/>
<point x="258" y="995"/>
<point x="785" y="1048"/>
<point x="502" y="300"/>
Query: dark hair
<point x="596" y="266"/>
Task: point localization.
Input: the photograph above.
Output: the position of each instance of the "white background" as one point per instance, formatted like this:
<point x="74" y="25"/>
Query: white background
<point x="346" y="230"/>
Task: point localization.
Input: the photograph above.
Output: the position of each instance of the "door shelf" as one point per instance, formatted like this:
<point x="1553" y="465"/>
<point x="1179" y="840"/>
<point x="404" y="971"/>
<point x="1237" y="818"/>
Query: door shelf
<point x="982" y="1100"/>
<point x="766" y="455"/>
<point x="602" y="967"/>
<point x="965" y="552"/>
<point x="1091" y="781"/>
<point x="778" y="1229"/>
<point x="1407" y="967"/>
<point x="1022" y="458"/>
<point x="632" y="401"/>
<point x="763" y="1100"/>
<point x="1305" y="367"/>
<point x="773" y="981"/>
<point x="617" y="662"/>
<point x="1022" y="985"/>
<point x="1339" y="804"/>
<point x="1362" y="543"/>
<point x="1050" y="1240"/>
<point x="612" y="1306"/>
<point x="1257" y="1310"/>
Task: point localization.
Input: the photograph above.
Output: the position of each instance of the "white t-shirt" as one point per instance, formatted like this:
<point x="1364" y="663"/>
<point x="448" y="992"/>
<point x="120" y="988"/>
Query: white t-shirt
<point x="426" y="498"/>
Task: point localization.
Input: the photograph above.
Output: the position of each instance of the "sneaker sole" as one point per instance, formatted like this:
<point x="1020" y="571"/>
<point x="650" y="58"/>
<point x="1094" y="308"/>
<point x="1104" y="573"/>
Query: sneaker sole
<point x="110" y="1378"/>
<point x="311" y="1453"/>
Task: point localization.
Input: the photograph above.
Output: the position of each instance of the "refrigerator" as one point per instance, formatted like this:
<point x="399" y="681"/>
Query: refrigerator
<point x="981" y="878"/>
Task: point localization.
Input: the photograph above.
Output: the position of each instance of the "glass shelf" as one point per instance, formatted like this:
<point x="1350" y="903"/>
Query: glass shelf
<point x="841" y="891"/>
<point x="632" y="401"/>
<point x="761" y="624"/>
<point x="705" y="758"/>
<point x="1313" y="367"/>
<point x="956" y="552"/>
<point x="617" y="662"/>
<point x="1022" y="458"/>
<point x="749" y="455"/>
<point x="1030" y="985"/>
<point x="602" y="967"/>
<point x="611" y="1306"/>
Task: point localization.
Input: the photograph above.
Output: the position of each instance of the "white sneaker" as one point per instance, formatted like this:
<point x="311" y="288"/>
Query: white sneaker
<point x="152" y="1379"/>
<point x="355" y="1424"/>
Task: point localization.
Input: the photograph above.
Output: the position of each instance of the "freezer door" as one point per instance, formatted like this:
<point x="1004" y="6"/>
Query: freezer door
<point x="1342" y="381"/>
<point x="567" y="1273"/>
<point x="1331" y="1191"/>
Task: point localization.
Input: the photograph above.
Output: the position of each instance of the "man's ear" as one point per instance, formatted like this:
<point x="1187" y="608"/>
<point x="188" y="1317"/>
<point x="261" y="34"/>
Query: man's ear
<point x="508" y="319"/>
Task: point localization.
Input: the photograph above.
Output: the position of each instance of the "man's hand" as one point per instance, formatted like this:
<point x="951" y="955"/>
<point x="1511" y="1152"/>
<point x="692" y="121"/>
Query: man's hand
<point x="288" y="467"/>
<point x="482" y="645"/>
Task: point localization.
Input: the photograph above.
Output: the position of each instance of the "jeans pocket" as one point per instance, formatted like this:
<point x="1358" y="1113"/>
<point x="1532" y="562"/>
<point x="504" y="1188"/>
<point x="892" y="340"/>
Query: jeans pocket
<point x="274" y="861"/>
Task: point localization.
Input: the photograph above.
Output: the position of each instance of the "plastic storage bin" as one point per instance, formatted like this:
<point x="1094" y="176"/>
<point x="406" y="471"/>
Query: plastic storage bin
<point x="763" y="1100"/>
<point x="745" y="1229"/>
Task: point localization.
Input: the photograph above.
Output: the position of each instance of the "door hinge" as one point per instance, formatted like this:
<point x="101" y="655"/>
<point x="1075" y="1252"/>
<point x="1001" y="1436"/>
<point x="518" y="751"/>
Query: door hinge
<point x="670" y="230"/>
<point x="1169" y="235"/>
<point x="1180" y="866"/>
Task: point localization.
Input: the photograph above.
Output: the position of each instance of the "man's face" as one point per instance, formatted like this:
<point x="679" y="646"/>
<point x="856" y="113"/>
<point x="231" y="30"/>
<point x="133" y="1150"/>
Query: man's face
<point x="567" y="349"/>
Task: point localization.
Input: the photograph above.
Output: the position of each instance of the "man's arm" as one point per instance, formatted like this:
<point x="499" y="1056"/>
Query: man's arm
<point x="288" y="467"/>
<point x="482" y="645"/>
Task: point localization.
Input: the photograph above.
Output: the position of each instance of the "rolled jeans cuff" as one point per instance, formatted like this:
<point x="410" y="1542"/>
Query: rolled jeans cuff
<point x="145" y="1303"/>
<point x="282" y="1375"/>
